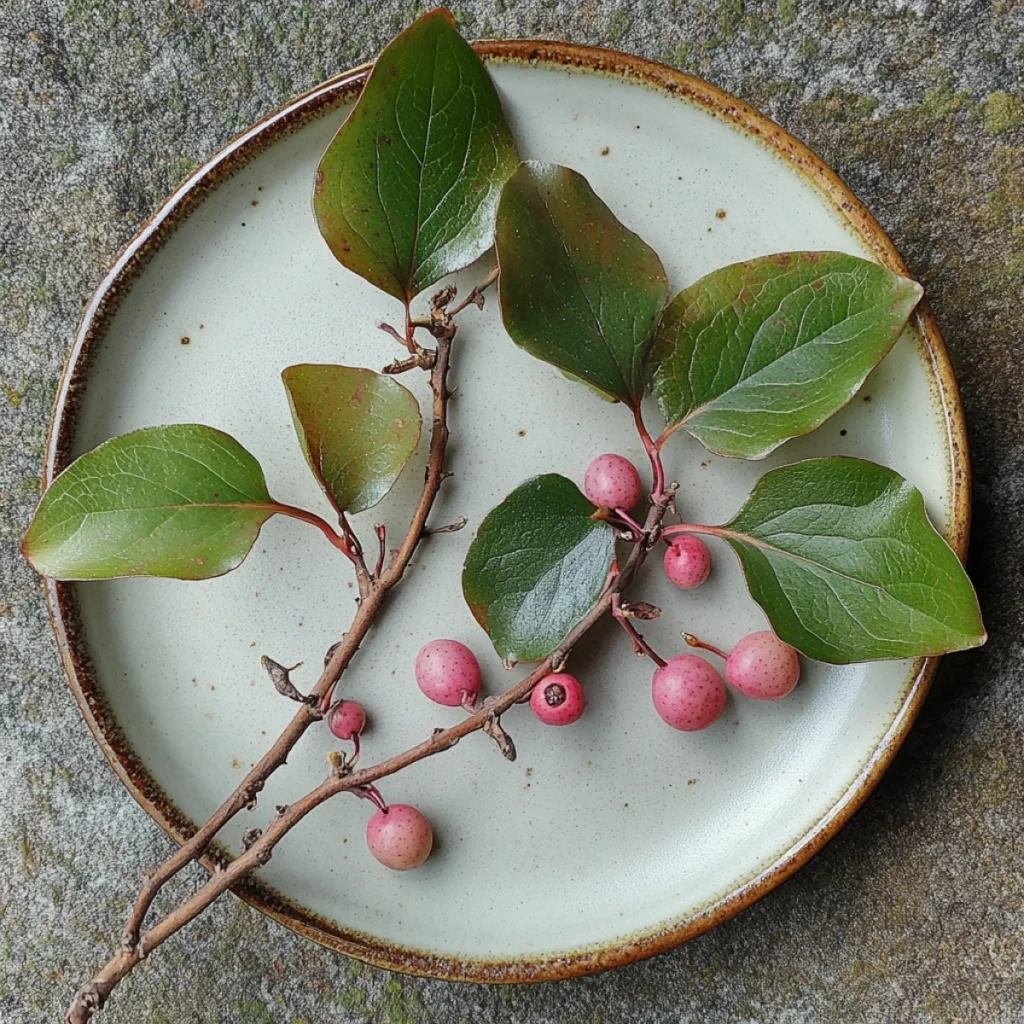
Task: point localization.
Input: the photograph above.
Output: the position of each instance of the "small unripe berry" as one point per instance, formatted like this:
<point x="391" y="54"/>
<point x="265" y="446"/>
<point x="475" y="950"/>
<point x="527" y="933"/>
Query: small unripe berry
<point x="558" y="699"/>
<point x="346" y="719"/>
<point x="688" y="693"/>
<point x="400" y="837"/>
<point x="612" y="481"/>
<point x="763" y="667"/>
<point x="687" y="561"/>
<point x="448" y="672"/>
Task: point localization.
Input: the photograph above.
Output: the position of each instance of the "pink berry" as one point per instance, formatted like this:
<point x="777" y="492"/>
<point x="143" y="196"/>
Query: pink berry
<point x="400" y="837"/>
<point x="346" y="719"/>
<point x="558" y="699"/>
<point x="688" y="693"/>
<point x="687" y="561"/>
<point x="447" y="671"/>
<point x="613" y="482"/>
<point x="763" y="667"/>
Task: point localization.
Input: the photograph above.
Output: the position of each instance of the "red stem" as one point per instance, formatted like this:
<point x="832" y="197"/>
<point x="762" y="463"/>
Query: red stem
<point x="652" y="453"/>
<point x="694" y="642"/>
<point x="639" y="643"/>
<point x="340" y="542"/>
<point x="629" y="521"/>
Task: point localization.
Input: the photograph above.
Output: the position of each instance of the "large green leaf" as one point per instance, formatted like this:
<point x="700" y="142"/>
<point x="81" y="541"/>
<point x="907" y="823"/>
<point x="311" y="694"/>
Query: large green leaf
<point x="759" y="352"/>
<point x="186" y="501"/>
<point x="841" y="556"/>
<point x="407" y="191"/>
<point x="578" y="289"/>
<point x="536" y="566"/>
<point x="357" y="429"/>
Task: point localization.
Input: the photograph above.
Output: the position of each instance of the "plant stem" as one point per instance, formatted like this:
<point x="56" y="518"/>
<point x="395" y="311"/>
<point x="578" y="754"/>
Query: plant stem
<point x="640" y="645"/>
<point x="371" y="602"/>
<point x="339" y="541"/>
<point x="653" y="453"/>
<point x="93" y="995"/>
<point x="694" y="642"/>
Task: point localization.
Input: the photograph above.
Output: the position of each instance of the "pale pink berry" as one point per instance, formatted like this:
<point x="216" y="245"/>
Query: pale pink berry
<point x="448" y="672"/>
<point x="613" y="482"/>
<point x="763" y="667"/>
<point x="687" y="561"/>
<point x="346" y="719"/>
<point x="558" y="699"/>
<point x="688" y="693"/>
<point x="400" y="837"/>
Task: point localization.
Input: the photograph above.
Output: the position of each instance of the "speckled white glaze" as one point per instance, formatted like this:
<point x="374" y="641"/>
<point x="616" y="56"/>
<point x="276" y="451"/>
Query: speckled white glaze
<point x="602" y="830"/>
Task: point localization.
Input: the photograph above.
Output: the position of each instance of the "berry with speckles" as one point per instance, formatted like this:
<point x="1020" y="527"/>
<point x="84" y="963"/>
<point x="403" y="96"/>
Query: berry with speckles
<point x="448" y="672"/>
<point x="346" y="719"/>
<point x="399" y="837"/>
<point x="613" y="482"/>
<point x="688" y="693"/>
<point x="687" y="561"/>
<point x="763" y="667"/>
<point x="558" y="699"/>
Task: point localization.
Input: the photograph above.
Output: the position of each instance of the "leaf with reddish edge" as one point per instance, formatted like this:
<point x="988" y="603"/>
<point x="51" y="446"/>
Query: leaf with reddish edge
<point x="577" y="288"/>
<point x="357" y="429"/>
<point x="758" y="352"/>
<point x="407" y="190"/>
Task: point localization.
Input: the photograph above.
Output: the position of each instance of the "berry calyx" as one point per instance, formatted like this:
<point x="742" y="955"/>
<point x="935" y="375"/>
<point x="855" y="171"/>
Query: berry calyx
<point x="558" y="699"/>
<point x="688" y="693"/>
<point x="687" y="561"/>
<point x="399" y="837"/>
<point x="346" y="719"/>
<point x="612" y="481"/>
<point x="763" y="667"/>
<point x="448" y="673"/>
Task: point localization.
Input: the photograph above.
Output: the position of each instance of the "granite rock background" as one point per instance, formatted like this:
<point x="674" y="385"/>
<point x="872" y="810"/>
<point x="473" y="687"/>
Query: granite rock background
<point x="915" y="913"/>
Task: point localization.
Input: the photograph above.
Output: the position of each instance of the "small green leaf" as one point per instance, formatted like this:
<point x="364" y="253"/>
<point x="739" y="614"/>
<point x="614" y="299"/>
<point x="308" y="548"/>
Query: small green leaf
<point x="759" y="352"/>
<point x="841" y="556"/>
<point x="185" y="501"/>
<point x="408" y="189"/>
<point x="536" y="566"/>
<point x="357" y="429"/>
<point x="577" y="288"/>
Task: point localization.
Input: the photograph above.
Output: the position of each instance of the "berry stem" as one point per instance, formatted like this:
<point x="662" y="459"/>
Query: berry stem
<point x="694" y="642"/>
<point x="372" y="793"/>
<point x="640" y="645"/>
<point x="629" y="521"/>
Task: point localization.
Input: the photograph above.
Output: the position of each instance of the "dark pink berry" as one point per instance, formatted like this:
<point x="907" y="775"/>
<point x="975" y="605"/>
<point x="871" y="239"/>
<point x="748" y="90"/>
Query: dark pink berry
<point x="346" y="719"/>
<point x="558" y="699"/>
<point x="400" y="837"/>
<point x="688" y="693"/>
<point x="763" y="667"/>
<point x="687" y="561"/>
<point x="613" y="482"/>
<point x="448" y="672"/>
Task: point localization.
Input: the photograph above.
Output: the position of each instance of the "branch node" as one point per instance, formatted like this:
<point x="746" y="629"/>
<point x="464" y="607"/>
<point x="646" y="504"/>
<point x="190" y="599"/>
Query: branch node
<point x="430" y="531"/>
<point x="249" y="836"/>
<point x="340" y="766"/>
<point x="492" y="726"/>
<point x="281" y="808"/>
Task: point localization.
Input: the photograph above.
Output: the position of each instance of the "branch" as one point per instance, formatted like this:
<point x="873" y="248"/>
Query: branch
<point x="92" y="996"/>
<point x="373" y="593"/>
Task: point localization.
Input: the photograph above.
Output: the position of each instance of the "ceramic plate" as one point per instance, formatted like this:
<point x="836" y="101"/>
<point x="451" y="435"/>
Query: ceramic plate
<point x="604" y="842"/>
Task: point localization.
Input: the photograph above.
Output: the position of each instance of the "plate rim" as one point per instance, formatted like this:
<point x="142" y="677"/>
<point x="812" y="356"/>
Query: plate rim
<point x="62" y="602"/>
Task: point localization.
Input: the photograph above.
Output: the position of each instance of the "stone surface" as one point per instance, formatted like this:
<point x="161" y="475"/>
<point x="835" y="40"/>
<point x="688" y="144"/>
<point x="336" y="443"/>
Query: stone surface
<point x="914" y="913"/>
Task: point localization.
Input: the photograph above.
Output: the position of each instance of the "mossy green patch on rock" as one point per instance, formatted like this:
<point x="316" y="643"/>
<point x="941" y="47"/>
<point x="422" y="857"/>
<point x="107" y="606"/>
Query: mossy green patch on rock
<point x="1003" y="112"/>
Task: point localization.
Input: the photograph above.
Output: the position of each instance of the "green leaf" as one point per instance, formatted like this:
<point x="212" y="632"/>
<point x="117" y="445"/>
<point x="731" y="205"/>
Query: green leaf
<point x="759" y="352"/>
<point x="357" y="429"/>
<point x="536" y="566"/>
<point x="408" y="188"/>
<point x="185" y="501"/>
<point x="841" y="556"/>
<point x="577" y="288"/>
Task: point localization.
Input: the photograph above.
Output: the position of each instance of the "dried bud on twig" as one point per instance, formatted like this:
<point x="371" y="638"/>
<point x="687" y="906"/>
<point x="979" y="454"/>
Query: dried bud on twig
<point x="492" y="726"/>
<point x="249" y="836"/>
<point x="280" y="677"/>
<point x="641" y="610"/>
<point x="429" y="531"/>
